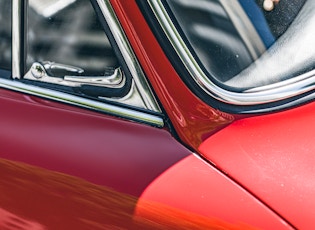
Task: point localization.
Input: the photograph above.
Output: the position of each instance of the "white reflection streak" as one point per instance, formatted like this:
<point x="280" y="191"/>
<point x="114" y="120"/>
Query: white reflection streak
<point x="48" y="8"/>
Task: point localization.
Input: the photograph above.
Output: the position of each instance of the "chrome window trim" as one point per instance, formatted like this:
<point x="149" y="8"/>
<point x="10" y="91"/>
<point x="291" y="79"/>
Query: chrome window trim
<point x="127" y="113"/>
<point x="154" y="118"/>
<point x="128" y="55"/>
<point x="254" y="96"/>
<point x="16" y="38"/>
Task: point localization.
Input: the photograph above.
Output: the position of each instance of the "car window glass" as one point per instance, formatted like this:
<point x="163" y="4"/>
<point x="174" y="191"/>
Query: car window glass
<point x="228" y="36"/>
<point x="68" y="32"/>
<point x="73" y="52"/>
<point x="68" y="50"/>
<point x="5" y="34"/>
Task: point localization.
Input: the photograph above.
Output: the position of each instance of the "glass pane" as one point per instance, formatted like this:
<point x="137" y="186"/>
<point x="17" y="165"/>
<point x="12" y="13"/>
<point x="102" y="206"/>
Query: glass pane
<point x="5" y="34"/>
<point x="228" y="36"/>
<point x="68" y="32"/>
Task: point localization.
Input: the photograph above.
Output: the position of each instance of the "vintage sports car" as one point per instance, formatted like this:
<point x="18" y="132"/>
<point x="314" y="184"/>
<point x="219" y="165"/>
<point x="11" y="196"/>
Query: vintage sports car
<point x="157" y="114"/>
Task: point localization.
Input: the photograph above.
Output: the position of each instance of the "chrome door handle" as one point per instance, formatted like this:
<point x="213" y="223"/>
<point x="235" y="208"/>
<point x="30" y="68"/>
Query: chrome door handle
<point x="58" y="66"/>
<point x="41" y="72"/>
<point x="115" y="80"/>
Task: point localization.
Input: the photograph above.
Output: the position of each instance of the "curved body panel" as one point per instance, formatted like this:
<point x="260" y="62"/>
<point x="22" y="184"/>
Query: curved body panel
<point x="65" y="167"/>
<point x="193" y="195"/>
<point x="272" y="156"/>
<point x="192" y="119"/>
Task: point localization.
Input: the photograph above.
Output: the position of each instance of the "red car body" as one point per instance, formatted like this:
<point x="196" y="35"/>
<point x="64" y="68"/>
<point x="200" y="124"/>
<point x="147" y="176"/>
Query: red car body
<point x="65" y="167"/>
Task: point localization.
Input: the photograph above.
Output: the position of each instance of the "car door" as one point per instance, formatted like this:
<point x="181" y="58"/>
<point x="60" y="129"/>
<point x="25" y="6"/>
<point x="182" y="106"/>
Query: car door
<point x="75" y="153"/>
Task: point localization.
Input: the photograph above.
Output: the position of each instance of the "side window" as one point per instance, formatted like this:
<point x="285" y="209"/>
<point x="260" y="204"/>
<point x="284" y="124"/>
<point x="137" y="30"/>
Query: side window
<point x="62" y="52"/>
<point x="68" y="50"/>
<point x="5" y="36"/>
<point x="245" y="55"/>
<point x="69" y="33"/>
<point x="228" y="36"/>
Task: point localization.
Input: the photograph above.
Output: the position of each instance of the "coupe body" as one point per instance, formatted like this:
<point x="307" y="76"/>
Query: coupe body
<point x="169" y="114"/>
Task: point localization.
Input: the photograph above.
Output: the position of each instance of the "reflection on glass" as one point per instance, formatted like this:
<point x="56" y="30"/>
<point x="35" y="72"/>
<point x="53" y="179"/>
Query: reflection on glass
<point x="5" y="34"/>
<point x="228" y="36"/>
<point x="68" y="32"/>
<point x="49" y="8"/>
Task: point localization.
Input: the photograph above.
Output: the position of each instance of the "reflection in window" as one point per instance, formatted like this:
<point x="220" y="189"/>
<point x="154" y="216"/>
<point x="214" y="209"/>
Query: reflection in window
<point x="5" y="34"/>
<point x="68" y="32"/>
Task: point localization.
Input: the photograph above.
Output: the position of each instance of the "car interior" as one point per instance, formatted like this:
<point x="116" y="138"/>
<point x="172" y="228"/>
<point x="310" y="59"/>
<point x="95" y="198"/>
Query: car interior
<point x="251" y="53"/>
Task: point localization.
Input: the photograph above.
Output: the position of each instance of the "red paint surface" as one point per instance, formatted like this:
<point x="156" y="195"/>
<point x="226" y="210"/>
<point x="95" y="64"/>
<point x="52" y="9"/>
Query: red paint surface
<point x="99" y="148"/>
<point x="65" y="167"/>
<point x="197" y="196"/>
<point x="192" y="119"/>
<point x="37" y="198"/>
<point x="273" y="156"/>
<point x="11" y="221"/>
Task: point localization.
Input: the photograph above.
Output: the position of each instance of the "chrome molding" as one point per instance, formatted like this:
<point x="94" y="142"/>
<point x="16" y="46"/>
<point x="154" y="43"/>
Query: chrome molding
<point x="116" y="80"/>
<point x="254" y="96"/>
<point x="128" y="55"/>
<point x="107" y="108"/>
<point x="153" y="118"/>
<point x="16" y="38"/>
<point x="38" y="72"/>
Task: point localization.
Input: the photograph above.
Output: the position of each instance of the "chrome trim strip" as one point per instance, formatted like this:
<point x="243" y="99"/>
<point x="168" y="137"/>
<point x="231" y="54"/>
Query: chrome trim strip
<point x="260" y="95"/>
<point x="38" y="72"/>
<point x="115" y="80"/>
<point x="16" y="38"/>
<point x="123" y="112"/>
<point x="111" y="109"/>
<point x="128" y="55"/>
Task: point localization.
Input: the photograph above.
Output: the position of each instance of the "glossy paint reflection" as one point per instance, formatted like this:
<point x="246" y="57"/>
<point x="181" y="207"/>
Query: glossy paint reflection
<point x="34" y="198"/>
<point x="167" y="217"/>
<point x="273" y="157"/>
<point x="99" y="148"/>
<point x="59" y="201"/>
<point x="192" y="119"/>
<point x="64" y="167"/>
<point x="10" y="221"/>
<point x="194" y="195"/>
